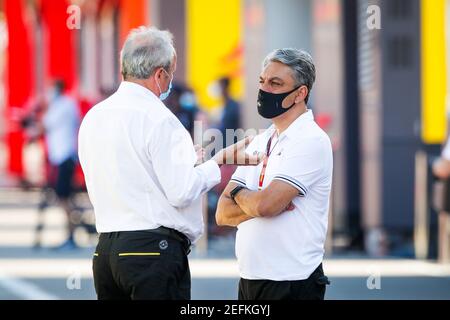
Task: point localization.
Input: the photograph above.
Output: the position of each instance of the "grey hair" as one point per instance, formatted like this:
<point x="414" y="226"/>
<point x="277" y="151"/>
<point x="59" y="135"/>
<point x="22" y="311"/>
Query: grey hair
<point x="144" y="50"/>
<point x="300" y="62"/>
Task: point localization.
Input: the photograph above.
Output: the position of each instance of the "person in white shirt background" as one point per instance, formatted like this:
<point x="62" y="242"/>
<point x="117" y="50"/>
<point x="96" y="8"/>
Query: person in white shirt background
<point x="141" y="175"/>
<point x="60" y="126"/>
<point x="280" y="207"/>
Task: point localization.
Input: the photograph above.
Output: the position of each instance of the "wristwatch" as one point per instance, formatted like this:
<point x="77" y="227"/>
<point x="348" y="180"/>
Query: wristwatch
<point x="235" y="191"/>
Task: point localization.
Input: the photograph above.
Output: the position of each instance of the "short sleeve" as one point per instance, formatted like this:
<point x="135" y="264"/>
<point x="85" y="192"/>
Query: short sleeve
<point x="239" y="176"/>
<point x="303" y="164"/>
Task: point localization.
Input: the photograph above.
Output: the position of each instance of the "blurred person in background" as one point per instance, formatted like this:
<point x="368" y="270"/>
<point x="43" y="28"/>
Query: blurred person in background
<point x="185" y="112"/>
<point x="230" y="121"/>
<point x="231" y="113"/>
<point x="281" y="206"/>
<point x="188" y="102"/>
<point x="59" y="125"/>
<point x="441" y="166"/>
<point x="143" y="178"/>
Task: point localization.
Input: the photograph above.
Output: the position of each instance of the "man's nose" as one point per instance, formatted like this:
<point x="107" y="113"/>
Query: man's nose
<point x="264" y="87"/>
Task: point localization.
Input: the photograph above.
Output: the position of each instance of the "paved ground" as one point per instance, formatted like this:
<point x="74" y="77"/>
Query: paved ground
<point x="45" y="274"/>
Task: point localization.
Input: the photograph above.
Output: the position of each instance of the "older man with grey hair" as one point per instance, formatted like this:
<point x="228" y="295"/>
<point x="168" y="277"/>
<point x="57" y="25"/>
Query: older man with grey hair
<point x="144" y="178"/>
<point x="281" y="206"/>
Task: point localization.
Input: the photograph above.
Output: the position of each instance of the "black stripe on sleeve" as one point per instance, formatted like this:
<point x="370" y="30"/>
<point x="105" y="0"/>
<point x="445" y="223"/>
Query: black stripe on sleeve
<point x="301" y="188"/>
<point x="238" y="181"/>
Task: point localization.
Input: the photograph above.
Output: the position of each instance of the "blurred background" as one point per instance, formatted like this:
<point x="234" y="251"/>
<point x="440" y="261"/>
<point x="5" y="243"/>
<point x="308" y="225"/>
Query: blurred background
<point x="380" y="94"/>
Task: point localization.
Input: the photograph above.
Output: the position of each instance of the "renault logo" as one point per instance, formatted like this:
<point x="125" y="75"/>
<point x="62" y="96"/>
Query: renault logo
<point x="163" y="244"/>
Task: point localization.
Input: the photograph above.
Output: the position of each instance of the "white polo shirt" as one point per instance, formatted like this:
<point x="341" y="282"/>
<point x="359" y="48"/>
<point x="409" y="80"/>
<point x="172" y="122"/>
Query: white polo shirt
<point x="289" y="246"/>
<point x="139" y="165"/>
<point x="61" y="122"/>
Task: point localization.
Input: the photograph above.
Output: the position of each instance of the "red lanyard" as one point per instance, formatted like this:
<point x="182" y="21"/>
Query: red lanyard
<point x="265" y="160"/>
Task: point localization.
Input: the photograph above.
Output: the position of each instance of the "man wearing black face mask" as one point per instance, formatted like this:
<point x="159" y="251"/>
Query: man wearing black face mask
<point x="281" y="206"/>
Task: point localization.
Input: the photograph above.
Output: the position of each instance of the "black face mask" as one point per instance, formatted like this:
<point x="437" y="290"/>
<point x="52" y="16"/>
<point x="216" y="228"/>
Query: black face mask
<point x="270" y="104"/>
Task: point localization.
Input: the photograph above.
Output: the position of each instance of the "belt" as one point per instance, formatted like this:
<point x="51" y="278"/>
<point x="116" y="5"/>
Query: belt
<point x="164" y="231"/>
<point x="174" y="234"/>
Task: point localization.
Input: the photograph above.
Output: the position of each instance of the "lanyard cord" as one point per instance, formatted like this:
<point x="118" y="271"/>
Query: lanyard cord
<point x="266" y="159"/>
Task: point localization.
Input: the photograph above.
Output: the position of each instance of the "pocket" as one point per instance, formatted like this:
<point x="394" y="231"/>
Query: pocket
<point x="143" y="244"/>
<point x="322" y="280"/>
<point x="314" y="287"/>
<point x="139" y="254"/>
<point x="319" y="277"/>
<point x="135" y="262"/>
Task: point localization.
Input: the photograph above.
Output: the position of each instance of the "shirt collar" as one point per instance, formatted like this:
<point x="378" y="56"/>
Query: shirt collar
<point x="136" y="89"/>
<point x="292" y="130"/>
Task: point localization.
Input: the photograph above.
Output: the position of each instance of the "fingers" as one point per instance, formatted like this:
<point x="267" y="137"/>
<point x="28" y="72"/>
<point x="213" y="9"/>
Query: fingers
<point x="200" y="152"/>
<point x="249" y="160"/>
<point x="248" y="139"/>
<point x="252" y="160"/>
<point x="244" y="142"/>
<point x="235" y="154"/>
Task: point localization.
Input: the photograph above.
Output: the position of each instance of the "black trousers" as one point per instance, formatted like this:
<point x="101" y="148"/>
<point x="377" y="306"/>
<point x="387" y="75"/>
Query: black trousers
<point x="64" y="178"/>
<point x="142" y="265"/>
<point x="312" y="288"/>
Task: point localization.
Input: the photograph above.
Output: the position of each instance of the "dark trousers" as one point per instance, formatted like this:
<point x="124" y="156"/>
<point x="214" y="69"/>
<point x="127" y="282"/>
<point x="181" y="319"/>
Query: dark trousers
<point x="137" y="265"/>
<point x="312" y="288"/>
<point x="64" y="178"/>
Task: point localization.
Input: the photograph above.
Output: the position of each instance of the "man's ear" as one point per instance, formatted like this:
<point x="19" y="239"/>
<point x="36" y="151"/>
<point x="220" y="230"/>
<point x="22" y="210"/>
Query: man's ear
<point x="301" y="95"/>
<point x="158" y="73"/>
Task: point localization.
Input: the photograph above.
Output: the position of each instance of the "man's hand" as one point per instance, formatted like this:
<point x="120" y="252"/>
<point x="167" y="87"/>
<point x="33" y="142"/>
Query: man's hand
<point x="235" y="154"/>
<point x="228" y="213"/>
<point x="200" y="154"/>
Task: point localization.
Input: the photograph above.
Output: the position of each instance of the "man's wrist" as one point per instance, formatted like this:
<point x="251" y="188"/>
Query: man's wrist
<point x="236" y="191"/>
<point x="238" y="197"/>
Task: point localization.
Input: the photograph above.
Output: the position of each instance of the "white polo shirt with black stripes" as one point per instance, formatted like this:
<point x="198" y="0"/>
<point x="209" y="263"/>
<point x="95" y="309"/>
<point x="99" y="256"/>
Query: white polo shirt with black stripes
<point x="289" y="246"/>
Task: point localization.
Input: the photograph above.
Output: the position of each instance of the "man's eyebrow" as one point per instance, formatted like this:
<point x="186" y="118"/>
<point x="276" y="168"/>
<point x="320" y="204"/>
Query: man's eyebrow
<point x="272" y="79"/>
<point x="276" y="79"/>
